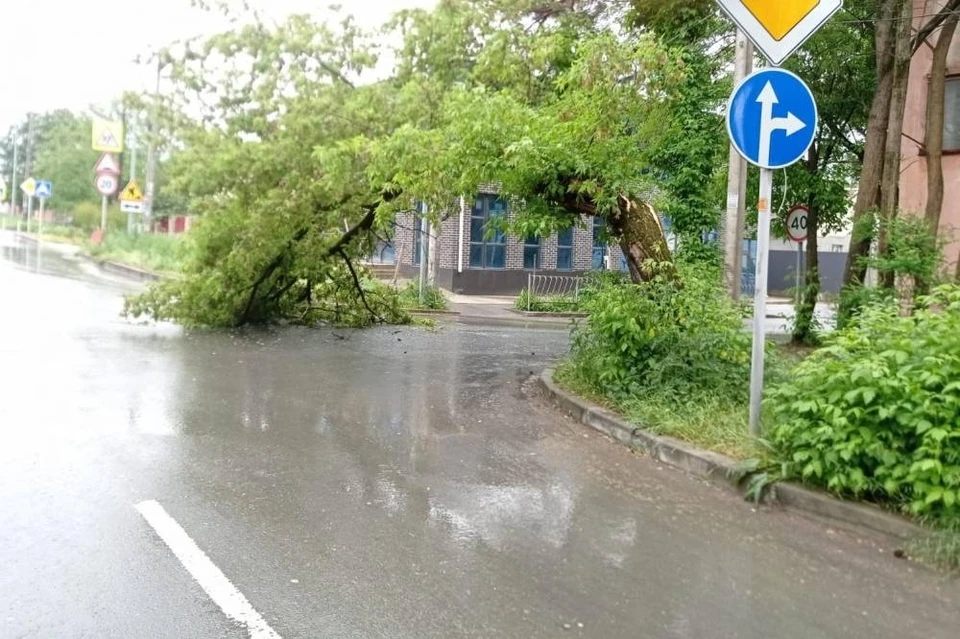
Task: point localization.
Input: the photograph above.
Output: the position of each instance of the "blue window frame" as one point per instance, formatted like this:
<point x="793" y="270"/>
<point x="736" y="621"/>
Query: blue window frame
<point x="487" y="252"/>
<point x="565" y="250"/>
<point x="531" y="252"/>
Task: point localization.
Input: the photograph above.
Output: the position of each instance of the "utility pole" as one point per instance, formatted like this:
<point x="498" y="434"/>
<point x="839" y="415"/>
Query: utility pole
<point x="734" y="222"/>
<point x="13" y="176"/>
<point x="28" y="166"/>
<point x="133" y="174"/>
<point x="432" y="253"/>
<point x="151" y="152"/>
<point x="424" y="254"/>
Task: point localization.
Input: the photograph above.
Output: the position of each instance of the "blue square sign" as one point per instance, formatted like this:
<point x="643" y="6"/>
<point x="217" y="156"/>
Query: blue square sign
<point x="44" y="190"/>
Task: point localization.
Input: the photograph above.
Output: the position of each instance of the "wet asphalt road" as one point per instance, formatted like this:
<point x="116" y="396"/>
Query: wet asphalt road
<point x="389" y="483"/>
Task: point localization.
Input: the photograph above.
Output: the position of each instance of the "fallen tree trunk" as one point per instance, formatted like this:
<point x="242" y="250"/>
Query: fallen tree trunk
<point x="638" y="231"/>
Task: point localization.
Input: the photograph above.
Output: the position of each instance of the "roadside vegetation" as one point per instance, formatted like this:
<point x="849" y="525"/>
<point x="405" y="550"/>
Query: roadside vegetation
<point x="572" y="301"/>
<point x="433" y="298"/>
<point x="149" y="251"/>
<point x="874" y="414"/>
<point x="672" y="358"/>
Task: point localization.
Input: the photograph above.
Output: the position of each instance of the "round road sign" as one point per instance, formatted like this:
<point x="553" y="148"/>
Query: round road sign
<point x="772" y="118"/>
<point x="107" y="184"/>
<point x="797" y="220"/>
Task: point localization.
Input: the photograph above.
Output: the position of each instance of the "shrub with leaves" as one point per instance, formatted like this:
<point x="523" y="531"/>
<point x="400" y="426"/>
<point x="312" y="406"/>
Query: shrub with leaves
<point x="433" y="298"/>
<point x="662" y="337"/>
<point x="877" y="412"/>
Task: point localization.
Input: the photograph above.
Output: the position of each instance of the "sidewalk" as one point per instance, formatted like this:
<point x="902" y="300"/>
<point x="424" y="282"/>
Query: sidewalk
<point x="498" y="309"/>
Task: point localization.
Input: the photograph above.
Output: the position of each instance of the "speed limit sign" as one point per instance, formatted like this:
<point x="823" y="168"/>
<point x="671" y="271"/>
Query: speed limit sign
<point x="107" y="184"/>
<point x="797" y="220"/>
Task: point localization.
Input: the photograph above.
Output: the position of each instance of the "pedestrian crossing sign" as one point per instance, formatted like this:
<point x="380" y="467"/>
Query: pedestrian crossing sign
<point x="107" y="135"/>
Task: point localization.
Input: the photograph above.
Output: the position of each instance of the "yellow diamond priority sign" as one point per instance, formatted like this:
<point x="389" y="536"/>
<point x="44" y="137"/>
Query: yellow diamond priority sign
<point x="779" y="27"/>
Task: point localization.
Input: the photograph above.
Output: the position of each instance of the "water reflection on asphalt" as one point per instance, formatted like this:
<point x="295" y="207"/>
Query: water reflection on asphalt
<point x="402" y="478"/>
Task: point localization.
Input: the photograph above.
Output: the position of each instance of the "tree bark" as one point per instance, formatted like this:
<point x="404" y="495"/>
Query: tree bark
<point x="638" y="231"/>
<point x="933" y="136"/>
<point x="642" y="241"/>
<point x="890" y="185"/>
<point x="433" y="253"/>
<point x="804" y="329"/>
<point x="868" y="196"/>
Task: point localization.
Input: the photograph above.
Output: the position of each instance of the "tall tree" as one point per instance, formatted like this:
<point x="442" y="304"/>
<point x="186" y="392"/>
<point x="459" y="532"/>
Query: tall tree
<point x="555" y="107"/>
<point x="899" y="32"/>
<point x="64" y="157"/>
<point x="836" y="64"/>
<point x="933" y="134"/>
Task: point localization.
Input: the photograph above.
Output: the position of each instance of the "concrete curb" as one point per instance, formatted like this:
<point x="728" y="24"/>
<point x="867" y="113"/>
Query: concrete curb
<point x="426" y="312"/>
<point x="554" y="315"/>
<point x="722" y="470"/>
<point x="127" y="271"/>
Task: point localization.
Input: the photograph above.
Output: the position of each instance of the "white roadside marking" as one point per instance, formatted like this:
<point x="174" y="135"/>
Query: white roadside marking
<point x="205" y="572"/>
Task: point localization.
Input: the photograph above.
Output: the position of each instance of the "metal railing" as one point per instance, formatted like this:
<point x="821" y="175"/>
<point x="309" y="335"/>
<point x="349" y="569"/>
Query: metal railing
<point x="558" y="289"/>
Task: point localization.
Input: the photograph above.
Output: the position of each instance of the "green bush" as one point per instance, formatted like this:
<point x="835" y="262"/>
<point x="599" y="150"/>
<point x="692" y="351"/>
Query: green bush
<point x="876" y="413"/>
<point x="86" y="216"/>
<point x="433" y="298"/>
<point x="672" y="340"/>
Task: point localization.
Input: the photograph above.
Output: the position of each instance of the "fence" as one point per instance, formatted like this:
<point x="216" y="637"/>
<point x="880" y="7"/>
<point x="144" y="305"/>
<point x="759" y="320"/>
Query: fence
<point x="558" y="289"/>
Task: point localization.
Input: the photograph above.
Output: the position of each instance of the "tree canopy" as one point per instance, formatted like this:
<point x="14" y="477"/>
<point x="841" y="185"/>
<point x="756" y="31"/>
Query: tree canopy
<point x="302" y="156"/>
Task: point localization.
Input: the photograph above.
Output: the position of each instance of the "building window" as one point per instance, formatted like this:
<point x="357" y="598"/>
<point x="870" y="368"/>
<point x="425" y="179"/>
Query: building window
<point x="565" y="250"/>
<point x="599" y="244"/>
<point x="420" y="210"/>
<point x="531" y="252"/>
<point x="487" y="252"/>
<point x="951" y="120"/>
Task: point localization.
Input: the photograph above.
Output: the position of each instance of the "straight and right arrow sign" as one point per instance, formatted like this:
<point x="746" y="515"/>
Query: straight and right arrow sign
<point x="772" y="118"/>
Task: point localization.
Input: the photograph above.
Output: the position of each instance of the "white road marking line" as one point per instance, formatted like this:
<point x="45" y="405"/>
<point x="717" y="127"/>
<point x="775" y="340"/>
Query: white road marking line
<point x="205" y="572"/>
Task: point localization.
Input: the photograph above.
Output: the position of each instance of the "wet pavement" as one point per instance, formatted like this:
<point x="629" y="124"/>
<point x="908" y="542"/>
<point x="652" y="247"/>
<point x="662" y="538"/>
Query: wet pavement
<point x="387" y="483"/>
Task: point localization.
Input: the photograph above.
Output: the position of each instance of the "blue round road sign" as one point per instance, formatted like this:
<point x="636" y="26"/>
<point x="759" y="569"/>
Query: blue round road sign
<point x="772" y="118"/>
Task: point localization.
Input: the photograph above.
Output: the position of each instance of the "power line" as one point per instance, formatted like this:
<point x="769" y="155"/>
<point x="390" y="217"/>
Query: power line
<point x="876" y="20"/>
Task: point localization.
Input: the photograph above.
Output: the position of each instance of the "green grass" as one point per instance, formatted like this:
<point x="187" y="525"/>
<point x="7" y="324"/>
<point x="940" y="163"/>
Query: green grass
<point x="58" y="233"/>
<point x="712" y="423"/>
<point x="939" y="548"/>
<point x="148" y="251"/>
<point x="546" y="304"/>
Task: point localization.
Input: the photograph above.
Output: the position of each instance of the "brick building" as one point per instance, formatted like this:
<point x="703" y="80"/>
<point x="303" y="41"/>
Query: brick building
<point x="913" y="175"/>
<point x="470" y="262"/>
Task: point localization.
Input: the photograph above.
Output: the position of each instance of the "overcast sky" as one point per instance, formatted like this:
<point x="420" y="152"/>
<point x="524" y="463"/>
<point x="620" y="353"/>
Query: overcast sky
<point x="74" y="53"/>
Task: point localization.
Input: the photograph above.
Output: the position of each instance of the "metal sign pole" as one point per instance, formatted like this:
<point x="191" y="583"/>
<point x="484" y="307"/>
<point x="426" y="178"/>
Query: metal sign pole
<point x="29" y="211"/>
<point x="103" y="214"/>
<point x="760" y="298"/>
<point x="40" y="220"/>
<point x="13" y="178"/>
<point x="799" y="287"/>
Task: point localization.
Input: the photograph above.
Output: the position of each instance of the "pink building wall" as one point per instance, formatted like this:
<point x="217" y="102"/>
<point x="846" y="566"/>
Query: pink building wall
<point x="913" y="176"/>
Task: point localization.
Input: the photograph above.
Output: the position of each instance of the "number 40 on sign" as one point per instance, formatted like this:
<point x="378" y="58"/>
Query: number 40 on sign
<point x="797" y="221"/>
